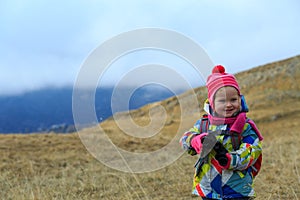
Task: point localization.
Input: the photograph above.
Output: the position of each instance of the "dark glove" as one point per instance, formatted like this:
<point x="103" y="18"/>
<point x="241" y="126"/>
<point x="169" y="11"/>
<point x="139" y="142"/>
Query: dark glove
<point x="222" y="155"/>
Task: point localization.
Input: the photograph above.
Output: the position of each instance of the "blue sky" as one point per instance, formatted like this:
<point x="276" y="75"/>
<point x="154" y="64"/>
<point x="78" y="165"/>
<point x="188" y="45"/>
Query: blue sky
<point x="44" y="43"/>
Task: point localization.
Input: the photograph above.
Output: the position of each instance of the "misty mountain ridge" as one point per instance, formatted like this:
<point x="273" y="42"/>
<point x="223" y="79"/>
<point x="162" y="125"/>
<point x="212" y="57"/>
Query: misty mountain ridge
<point x="269" y="89"/>
<point x="50" y="109"/>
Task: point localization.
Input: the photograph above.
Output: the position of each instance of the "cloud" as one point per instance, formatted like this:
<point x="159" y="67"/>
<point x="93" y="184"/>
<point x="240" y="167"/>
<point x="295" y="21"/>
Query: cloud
<point x="45" y="42"/>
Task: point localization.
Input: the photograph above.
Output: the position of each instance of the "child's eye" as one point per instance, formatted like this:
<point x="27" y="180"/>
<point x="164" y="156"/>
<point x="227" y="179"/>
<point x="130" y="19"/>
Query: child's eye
<point x="221" y="101"/>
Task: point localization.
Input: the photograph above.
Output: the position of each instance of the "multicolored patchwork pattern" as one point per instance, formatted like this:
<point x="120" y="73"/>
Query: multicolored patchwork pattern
<point x="212" y="181"/>
<point x="185" y="140"/>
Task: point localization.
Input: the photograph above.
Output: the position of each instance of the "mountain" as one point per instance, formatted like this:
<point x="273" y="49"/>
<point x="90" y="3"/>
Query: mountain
<point x="44" y="166"/>
<point x="50" y="109"/>
<point x="272" y="92"/>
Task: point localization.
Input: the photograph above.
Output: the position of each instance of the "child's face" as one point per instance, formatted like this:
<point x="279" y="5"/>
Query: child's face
<point x="227" y="102"/>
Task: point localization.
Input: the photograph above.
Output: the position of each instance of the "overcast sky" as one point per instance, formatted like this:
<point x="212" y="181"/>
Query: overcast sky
<point x="44" y="43"/>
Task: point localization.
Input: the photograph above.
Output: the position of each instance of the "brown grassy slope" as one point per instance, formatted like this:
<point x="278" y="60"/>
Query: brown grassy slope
<point x="272" y="91"/>
<point x="55" y="166"/>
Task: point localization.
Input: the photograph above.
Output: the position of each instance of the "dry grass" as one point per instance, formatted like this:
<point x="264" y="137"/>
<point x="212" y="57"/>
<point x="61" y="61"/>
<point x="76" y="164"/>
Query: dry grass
<point x="58" y="166"/>
<point x="280" y="178"/>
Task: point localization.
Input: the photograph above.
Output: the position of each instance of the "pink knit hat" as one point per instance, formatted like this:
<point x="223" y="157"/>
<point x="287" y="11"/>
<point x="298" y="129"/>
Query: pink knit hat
<point x="219" y="79"/>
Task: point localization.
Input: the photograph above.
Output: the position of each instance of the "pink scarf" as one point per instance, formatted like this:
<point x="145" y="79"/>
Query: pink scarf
<point x="236" y="123"/>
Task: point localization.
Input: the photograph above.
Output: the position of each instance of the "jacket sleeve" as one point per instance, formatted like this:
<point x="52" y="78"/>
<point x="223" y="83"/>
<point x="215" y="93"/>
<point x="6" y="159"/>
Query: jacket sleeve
<point x="248" y="153"/>
<point x="185" y="140"/>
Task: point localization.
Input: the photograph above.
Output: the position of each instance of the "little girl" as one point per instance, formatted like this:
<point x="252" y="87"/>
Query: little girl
<point x="228" y="170"/>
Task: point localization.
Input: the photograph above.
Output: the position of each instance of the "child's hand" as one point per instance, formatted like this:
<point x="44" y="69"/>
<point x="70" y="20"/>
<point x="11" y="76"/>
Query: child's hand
<point x="196" y="142"/>
<point x="222" y="156"/>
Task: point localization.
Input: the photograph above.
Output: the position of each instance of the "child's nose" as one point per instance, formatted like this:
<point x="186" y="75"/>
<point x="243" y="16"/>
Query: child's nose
<point x="228" y="103"/>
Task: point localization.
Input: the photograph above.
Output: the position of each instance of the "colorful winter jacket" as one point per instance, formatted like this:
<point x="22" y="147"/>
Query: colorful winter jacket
<point x="211" y="181"/>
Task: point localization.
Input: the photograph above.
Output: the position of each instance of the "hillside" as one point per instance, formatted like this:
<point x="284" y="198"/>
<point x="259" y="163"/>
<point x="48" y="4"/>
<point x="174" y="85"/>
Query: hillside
<point x="272" y="93"/>
<point x="54" y="166"/>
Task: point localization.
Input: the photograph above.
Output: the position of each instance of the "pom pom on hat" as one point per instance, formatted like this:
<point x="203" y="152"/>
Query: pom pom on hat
<point x="218" y="69"/>
<point x="218" y="79"/>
